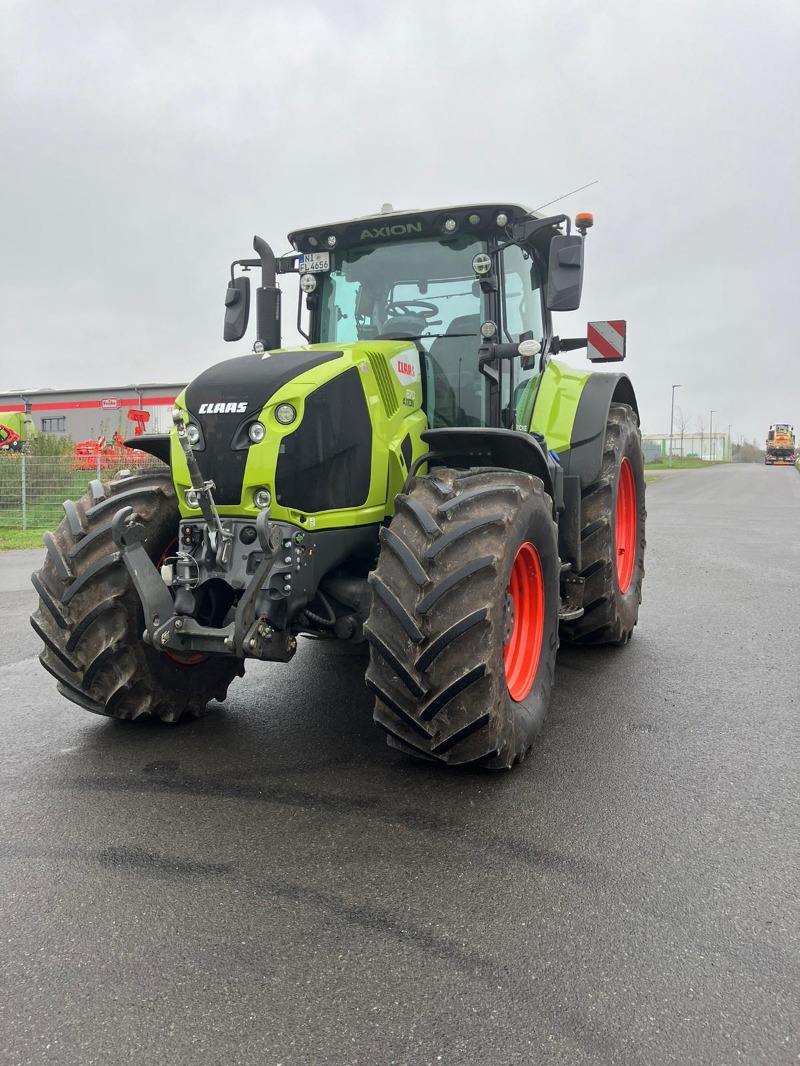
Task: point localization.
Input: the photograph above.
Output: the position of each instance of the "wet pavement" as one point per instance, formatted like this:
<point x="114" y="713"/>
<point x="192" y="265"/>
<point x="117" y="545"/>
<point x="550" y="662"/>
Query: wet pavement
<point x="270" y="884"/>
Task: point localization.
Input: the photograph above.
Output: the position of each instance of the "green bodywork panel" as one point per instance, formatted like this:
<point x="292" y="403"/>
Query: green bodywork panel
<point x="549" y="405"/>
<point x="390" y="376"/>
<point x="15" y="420"/>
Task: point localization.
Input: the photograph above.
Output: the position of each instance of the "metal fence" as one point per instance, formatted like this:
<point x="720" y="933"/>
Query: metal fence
<point x="33" y="487"/>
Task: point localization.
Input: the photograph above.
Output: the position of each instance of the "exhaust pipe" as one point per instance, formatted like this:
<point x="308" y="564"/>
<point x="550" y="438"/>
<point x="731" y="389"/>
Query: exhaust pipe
<point x="268" y="297"/>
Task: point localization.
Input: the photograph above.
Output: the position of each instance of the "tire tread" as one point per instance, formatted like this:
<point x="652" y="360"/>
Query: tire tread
<point x="89" y="616"/>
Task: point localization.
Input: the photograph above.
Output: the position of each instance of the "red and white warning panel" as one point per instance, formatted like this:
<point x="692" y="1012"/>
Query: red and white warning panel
<point x="606" y="341"/>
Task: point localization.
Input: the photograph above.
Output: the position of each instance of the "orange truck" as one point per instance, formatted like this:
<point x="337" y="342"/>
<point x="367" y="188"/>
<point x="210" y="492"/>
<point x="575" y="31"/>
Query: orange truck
<point x="780" y="447"/>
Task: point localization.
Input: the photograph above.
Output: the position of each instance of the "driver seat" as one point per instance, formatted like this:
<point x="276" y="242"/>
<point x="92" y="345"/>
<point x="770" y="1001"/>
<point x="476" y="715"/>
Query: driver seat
<point x="401" y="327"/>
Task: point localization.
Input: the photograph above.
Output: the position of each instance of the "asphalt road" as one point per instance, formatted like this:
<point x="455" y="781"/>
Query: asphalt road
<point x="272" y="885"/>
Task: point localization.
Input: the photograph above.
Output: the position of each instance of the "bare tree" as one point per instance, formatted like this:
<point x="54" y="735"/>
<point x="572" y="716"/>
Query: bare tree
<point x="702" y="427"/>
<point x="681" y="422"/>
<point x="750" y="452"/>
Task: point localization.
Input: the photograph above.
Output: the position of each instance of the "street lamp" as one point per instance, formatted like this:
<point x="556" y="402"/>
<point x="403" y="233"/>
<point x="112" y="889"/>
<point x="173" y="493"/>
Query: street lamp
<point x="711" y="437"/>
<point x="671" y="420"/>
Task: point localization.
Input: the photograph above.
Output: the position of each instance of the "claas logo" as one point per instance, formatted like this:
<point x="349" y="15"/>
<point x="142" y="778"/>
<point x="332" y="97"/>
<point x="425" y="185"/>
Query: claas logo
<point x="222" y="408"/>
<point x="406" y="369"/>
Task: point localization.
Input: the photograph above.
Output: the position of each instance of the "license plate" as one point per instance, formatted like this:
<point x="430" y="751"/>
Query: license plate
<point x="314" y="262"/>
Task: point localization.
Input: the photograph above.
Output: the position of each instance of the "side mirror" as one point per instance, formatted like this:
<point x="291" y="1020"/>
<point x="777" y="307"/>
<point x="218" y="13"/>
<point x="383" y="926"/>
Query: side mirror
<point x="237" y="308"/>
<point x="565" y="272"/>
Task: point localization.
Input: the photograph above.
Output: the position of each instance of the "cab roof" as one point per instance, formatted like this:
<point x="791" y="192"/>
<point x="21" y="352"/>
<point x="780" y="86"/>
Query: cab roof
<point x="479" y="220"/>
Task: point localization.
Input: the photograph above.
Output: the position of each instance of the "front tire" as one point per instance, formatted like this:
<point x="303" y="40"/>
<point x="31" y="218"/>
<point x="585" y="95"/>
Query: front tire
<point x="613" y="518"/>
<point x="90" y="617"/>
<point x="463" y="629"/>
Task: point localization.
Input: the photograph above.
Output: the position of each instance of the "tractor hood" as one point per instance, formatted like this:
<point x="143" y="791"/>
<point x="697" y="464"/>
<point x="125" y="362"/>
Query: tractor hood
<point x="227" y="398"/>
<point x="329" y="415"/>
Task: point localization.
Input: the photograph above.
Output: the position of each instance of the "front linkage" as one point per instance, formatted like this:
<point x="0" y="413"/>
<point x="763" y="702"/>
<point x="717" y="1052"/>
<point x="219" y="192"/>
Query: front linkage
<point x="248" y="635"/>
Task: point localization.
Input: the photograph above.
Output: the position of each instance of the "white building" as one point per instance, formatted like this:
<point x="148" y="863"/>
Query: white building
<point x="86" y="414"/>
<point x="689" y="446"/>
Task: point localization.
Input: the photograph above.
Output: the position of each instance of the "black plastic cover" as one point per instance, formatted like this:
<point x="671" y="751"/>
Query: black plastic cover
<point x="327" y="462"/>
<point x="237" y="308"/>
<point x="565" y="273"/>
<point x="156" y="444"/>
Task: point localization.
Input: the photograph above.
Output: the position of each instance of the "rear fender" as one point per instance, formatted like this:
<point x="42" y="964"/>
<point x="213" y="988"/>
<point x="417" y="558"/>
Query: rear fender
<point x="585" y="456"/>
<point x="571" y="411"/>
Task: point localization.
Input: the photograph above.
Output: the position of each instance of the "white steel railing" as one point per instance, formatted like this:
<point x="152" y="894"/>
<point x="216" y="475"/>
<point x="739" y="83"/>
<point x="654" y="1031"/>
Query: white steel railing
<point x="33" y="487"/>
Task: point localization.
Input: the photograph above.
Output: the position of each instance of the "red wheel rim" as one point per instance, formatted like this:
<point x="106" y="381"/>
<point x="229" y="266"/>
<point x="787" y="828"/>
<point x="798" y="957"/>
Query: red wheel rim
<point x="524" y="622"/>
<point x="625" y="524"/>
<point x="189" y="658"/>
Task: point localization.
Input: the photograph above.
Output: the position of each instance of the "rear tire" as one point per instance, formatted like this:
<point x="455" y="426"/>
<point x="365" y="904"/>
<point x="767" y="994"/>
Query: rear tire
<point x="465" y="612"/>
<point x="613" y="518"/>
<point x="90" y="617"/>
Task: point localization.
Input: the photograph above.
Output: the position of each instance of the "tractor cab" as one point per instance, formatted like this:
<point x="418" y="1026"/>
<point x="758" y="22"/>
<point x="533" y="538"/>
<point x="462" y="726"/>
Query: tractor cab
<point x="452" y="281"/>
<point x="421" y="290"/>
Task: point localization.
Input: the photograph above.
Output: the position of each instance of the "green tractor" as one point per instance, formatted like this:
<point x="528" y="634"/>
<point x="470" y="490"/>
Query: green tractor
<point x="16" y="429"/>
<point x="422" y="476"/>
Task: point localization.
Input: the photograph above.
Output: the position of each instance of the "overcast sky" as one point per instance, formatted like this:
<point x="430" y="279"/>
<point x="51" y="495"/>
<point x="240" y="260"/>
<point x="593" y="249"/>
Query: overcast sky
<point x="145" y="143"/>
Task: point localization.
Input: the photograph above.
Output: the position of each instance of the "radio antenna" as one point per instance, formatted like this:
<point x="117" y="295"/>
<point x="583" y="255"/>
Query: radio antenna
<point x="566" y="194"/>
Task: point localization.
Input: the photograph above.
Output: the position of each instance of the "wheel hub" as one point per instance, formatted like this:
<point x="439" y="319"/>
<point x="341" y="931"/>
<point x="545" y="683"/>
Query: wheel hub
<point x="509" y="619"/>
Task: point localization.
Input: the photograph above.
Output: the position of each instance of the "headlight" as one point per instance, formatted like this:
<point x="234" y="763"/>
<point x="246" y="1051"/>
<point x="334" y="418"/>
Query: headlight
<point x="192" y="433"/>
<point x="285" y="414"/>
<point x="262" y="498"/>
<point x="256" y="432"/>
<point x="308" y="282"/>
<point x="192" y="498"/>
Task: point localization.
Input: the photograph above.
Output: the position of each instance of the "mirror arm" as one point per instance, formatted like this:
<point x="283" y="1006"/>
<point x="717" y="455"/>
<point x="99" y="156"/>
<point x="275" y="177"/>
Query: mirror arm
<point x="523" y="230"/>
<point x="569" y="344"/>
<point x="245" y="264"/>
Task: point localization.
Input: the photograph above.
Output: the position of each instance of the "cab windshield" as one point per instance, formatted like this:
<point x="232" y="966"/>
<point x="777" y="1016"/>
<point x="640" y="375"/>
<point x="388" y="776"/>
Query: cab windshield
<point x="414" y="288"/>
<point x="423" y="290"/>
<point x="426" y="291"/>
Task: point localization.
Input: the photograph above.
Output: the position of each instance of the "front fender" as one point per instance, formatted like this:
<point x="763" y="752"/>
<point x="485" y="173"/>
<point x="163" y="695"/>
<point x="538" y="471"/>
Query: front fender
<point x="467" y="446"/>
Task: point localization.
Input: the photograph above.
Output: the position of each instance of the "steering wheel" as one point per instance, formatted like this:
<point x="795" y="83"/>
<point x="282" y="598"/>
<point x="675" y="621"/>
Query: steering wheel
<point x="396" y="308"/>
